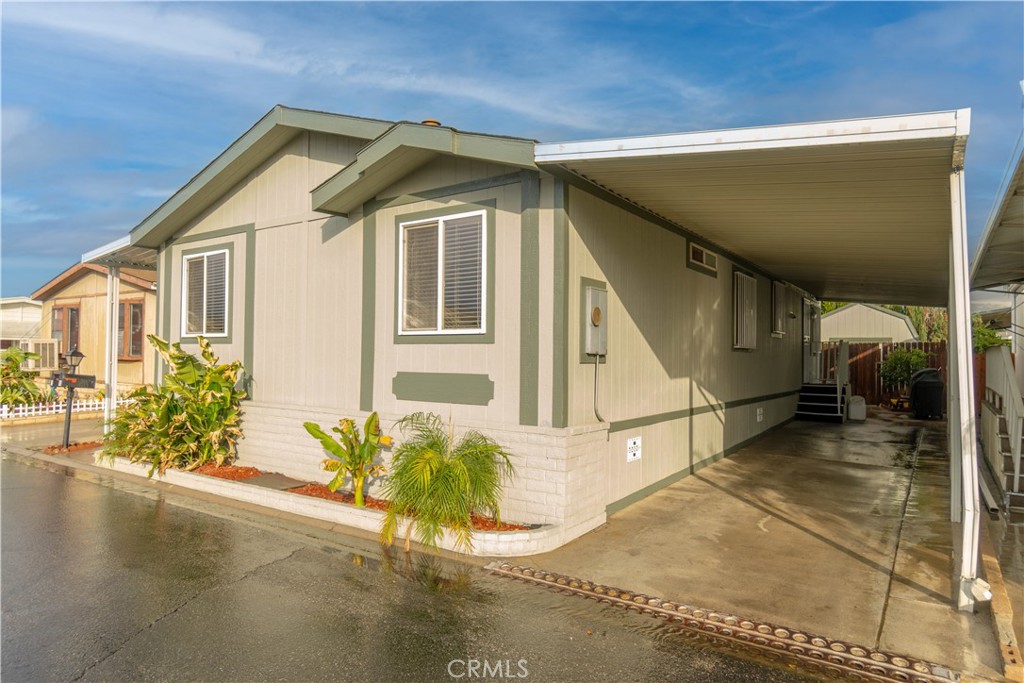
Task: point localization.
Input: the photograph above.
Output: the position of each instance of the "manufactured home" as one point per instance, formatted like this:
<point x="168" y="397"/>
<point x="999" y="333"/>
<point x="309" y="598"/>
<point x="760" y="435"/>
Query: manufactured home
<point x="618" y="312"/>
<point x="74" y="316"/>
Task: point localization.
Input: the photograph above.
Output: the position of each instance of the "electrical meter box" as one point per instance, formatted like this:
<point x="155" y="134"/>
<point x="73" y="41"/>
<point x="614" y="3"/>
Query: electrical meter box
<point x="596" y="323"/>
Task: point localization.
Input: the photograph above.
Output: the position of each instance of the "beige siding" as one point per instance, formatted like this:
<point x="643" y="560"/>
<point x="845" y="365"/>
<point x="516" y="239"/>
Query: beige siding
<point x="856" y="322"/>
<point x="89" y="294"/>
<point x="669" y="348"/>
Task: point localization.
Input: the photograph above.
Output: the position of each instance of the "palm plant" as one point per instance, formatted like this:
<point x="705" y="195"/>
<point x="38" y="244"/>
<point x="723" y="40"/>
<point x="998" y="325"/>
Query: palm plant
<point x="438" y="482"/>
<point x="16" y="384"/>
<point x="351" y="454"/>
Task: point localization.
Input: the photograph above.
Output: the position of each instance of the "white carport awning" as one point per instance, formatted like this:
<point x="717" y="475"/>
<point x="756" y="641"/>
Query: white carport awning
<point x="855" y="210"/>
<point x="1000" y="257"/>
<point x="121" y="254"/>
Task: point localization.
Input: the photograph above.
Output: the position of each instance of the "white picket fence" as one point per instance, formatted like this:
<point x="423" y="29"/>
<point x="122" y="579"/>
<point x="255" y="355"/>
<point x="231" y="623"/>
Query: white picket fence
<point x="88" y="405"/>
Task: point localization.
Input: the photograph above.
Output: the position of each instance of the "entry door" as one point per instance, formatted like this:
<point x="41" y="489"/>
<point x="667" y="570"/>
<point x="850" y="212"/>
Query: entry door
<point x="812" y="341"/>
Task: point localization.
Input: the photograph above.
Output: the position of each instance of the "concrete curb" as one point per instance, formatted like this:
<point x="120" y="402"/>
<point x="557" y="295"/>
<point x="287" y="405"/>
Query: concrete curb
<point x="1002" y="609"/>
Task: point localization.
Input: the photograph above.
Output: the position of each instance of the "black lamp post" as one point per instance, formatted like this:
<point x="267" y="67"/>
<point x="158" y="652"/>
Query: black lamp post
<point x="73" y="359"/>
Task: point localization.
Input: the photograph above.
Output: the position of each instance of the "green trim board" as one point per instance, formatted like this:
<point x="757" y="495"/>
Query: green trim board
<point x="487" y="337"/>
<point x="648" y="420"/>
<point x="230" y="295"/>
<point x="442" y="192"/>
<point x="443" y="387"/>
<point x="403" y="149"/>
<point x="213" y="234"/>
<point x="369" y="313"/>
<point x="639" y="495"/>
<point x="529" y="298"/>
<point x="252" y="148"/>
<point x="165" y="302"/>
<point x="586" y="282"/>
<point x="560" y="322"/>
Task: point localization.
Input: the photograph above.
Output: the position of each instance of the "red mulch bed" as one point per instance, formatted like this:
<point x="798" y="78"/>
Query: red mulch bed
<point x="480" y="523"/>
<point x="72" y="447"/>
<point x="232" y="472"/>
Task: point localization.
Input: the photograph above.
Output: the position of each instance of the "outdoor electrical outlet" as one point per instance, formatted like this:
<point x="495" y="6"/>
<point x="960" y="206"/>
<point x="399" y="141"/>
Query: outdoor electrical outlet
<point x="760" y="414"/>
<point x="633" y="449"/>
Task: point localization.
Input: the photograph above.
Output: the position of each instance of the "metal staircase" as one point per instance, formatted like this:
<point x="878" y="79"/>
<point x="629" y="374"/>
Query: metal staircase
<point x="824" y="402"/>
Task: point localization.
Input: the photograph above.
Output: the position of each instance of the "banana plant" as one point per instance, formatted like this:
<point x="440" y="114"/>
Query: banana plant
<point x="351" y="454"/>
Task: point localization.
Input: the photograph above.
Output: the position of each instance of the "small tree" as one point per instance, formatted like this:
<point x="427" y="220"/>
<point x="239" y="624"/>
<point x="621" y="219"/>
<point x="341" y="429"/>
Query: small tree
<point x="438" y="482"/>
<point x="351" y="454"/>
<point x="900" y="364"/>
<point x="17" y="385"/>
<point x="192" y="419"/>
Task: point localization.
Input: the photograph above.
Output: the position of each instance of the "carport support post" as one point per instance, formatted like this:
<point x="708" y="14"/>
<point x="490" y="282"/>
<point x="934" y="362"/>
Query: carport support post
<point x="961" y="416"/>
<point x="111" y="350"/>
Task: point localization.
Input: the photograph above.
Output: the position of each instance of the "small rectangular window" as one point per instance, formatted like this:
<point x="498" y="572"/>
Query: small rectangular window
<point x="779" y="309"/>
<point x="129" y="346"/>
<point x="64" y="328"/>
<point x="442" y="275"/>
<point x="702" y="257"/>
<point x="744" y="299"/>
<point x="205" y="294"/>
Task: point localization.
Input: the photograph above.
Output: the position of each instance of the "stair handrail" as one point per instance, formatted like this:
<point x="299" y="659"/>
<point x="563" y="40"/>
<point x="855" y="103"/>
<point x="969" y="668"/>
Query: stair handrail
<point x="1001" y="380"/>
<point x="843" y="366"/>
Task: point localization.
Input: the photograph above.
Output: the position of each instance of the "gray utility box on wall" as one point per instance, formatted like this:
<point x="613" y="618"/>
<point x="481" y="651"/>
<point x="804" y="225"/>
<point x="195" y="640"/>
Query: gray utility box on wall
<point x="596" y="323"/>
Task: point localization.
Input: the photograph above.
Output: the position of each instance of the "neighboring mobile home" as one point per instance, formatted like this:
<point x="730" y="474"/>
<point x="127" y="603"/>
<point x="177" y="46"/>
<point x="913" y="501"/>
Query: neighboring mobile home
<point x="867" y="323"/>
<point x="74" y="314"/>
<point x="19" y="320"/>
<point x="357" y="265"/>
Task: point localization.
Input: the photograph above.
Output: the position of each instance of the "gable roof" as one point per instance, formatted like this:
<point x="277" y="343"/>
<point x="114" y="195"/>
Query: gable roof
<point x="246" y="153"/>
<point x="140" y="278"/>
<point x="881" y="309"/>
<point x="403" y="149"/>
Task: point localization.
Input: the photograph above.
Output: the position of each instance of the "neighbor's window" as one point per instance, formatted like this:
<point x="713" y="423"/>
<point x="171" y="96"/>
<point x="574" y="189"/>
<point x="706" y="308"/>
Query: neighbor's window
<point x="744" y="301"/>
<point x="779" y="309"/>
<point x="205" y="294"/>
<point x="441" y="277"/>
<point x="129" y="346"/>
<point x="64" y="328"/>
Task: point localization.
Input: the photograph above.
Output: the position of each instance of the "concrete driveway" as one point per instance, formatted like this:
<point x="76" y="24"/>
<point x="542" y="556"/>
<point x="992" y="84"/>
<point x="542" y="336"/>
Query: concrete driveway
<point x="839" y="530"/>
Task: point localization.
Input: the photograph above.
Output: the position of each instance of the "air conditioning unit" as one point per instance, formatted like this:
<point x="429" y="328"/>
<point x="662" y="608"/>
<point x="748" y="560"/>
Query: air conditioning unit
<point x="48" y="351"/>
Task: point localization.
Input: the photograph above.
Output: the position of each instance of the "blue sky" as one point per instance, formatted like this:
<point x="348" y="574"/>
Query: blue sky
<point x="109" y="108"/>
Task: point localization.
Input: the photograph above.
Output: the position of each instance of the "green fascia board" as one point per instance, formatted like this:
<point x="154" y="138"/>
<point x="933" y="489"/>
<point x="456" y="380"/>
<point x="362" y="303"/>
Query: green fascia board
<point x="403" y="149"/>
<point x="256" y="145"/>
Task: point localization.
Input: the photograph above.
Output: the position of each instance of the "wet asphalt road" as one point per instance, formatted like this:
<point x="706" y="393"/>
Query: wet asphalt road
<point x="110" y="580"/>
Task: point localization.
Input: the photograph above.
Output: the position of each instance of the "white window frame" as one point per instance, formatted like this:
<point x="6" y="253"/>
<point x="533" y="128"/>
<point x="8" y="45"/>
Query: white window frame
<point x="704" y="253"/>
<point x="227" y="294"/>
<point x="779" y="310"/>
<point x="440" y="220"/>
<point x="744" y="317"/>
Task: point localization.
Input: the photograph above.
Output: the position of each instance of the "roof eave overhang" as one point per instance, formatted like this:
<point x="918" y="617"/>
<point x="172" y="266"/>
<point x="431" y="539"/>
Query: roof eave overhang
<point x="999" y="259"/>
<point x="402" y="150"/>
<point x="121" y="253"/>
<point x="616" y="166"/>
<point x="268" y="135"/>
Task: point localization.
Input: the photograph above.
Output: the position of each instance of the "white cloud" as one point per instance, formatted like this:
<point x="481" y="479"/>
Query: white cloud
<point x="149" y="27"/>
<point x="16" y="122"/>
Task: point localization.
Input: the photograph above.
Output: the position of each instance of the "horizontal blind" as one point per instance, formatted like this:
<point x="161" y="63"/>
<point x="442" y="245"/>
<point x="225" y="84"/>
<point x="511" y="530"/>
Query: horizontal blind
<point x="419" y="277"/>
<point x="463" y="271"/>
<point x="216" y="293"/>
<point x="195" y="275"/>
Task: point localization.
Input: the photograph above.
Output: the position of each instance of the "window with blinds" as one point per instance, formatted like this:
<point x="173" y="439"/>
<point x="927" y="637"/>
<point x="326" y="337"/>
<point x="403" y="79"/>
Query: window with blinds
<point x="129" y="341"/>
<point x="442" y="275"/>
<point x="744" y="300"/>
<point x="205" y="295"/>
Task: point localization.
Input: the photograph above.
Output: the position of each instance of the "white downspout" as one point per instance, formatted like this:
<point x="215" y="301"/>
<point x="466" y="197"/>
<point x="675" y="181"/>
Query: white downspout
<point x="111" y="351"/>
<point x="963" y="435"/>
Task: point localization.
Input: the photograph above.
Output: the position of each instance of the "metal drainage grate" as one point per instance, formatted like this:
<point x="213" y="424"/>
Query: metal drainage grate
<point x="816" y="654"/>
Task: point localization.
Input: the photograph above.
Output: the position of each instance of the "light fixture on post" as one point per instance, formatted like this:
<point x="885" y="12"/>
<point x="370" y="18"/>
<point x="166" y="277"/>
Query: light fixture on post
<point x="73" y="360"/>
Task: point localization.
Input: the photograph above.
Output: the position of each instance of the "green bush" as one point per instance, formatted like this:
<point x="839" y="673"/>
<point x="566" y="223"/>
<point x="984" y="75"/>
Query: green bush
<point x="351" y="454"/>
<point x="438" y="482"/>
<point x="900" y="364"/>
<point x="17" y="386"/>
<point x="192" y="419"/>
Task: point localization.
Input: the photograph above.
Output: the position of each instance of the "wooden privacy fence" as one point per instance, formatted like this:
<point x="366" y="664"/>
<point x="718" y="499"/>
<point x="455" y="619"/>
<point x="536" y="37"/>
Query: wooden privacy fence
<point x="866" y="360"/>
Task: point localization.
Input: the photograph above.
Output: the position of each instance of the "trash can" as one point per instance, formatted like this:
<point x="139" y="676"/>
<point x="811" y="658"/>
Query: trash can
<point x="926" y="394"/>
<point x="856" y="409"/>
